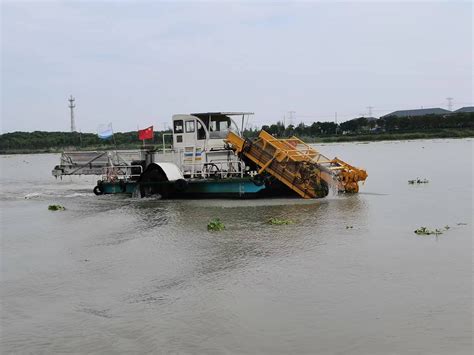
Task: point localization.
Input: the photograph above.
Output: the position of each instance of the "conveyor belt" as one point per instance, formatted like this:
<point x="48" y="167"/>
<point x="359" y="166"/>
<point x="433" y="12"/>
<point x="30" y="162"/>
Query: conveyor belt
<point x="297" y="165"/>
<point x="93" y="162"/>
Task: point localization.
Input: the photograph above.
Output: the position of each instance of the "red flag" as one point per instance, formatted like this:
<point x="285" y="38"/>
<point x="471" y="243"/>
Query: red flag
<point x="146" y="133"/>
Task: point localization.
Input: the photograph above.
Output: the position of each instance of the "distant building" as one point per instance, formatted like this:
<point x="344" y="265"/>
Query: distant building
<point x="369" y="119"/>
<point x="465" y="109"/>
<point x="418" y="112"/>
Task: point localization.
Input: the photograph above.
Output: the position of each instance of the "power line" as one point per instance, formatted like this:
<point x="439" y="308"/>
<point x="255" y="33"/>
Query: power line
<point x="387" y="107"/>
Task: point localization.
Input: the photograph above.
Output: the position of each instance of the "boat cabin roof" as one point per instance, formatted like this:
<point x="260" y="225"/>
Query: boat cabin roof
<point x="213" y="114"/>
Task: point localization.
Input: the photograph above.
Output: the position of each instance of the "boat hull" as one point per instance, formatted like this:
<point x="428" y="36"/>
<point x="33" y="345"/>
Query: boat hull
<point x="193" y="188"/>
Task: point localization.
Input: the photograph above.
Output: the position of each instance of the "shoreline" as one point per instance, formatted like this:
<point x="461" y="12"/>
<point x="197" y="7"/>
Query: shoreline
<point x="377" y="137"/>
<point x="364" y="138"/>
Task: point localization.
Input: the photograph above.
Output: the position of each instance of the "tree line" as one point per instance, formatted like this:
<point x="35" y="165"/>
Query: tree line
<point x="364" y="125"/>
<point x="40" y="140"/>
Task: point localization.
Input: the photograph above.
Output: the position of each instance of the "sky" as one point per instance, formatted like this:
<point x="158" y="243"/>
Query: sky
<point x="135" y="64"/>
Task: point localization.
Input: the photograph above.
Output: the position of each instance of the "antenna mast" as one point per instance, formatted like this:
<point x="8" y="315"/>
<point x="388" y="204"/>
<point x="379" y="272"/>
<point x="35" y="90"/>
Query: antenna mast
<point x="71" y="106"/>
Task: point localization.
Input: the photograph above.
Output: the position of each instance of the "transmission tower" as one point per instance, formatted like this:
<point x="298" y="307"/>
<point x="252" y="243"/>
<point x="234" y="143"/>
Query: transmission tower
<point x="370" y="110"/>
<point x="291" y="113"/>
<point x="71" y="106"/>
<point x="450" y="103"/>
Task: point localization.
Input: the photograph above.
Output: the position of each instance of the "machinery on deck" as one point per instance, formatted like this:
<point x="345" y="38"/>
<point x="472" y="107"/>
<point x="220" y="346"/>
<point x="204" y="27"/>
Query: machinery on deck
<point x="297" y="165"/>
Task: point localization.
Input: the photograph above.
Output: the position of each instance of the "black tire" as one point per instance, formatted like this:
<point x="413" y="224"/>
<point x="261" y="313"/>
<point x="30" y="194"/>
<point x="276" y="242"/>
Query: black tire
<point x="258" y="180"/>
<point x="98" y="190"/>
<point x="180" y="185"/>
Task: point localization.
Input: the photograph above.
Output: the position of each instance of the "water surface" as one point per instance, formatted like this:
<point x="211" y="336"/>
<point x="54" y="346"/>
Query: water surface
<point x="115" y="274"/>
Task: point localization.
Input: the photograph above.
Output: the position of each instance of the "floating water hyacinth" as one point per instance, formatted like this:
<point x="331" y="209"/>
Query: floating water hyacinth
<point x="418" y="181"/>
<point x="215" y="225"/>
<point x="426" y="231"/>
<point x="279" y="222"/>
<point x="56" y="208"/>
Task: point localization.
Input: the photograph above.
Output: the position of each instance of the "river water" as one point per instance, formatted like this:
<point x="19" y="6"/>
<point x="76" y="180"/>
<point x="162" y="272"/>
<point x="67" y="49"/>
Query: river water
<point x="121" y="275"/>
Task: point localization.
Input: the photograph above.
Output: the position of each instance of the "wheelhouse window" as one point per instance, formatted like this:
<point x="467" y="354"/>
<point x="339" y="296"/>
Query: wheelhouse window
<point x="219" y="127"/>
<point x="213" y="126"/>
<point x="201" y="133"/>
<point x="190" y="127"/>
<point x="178" y="126"/>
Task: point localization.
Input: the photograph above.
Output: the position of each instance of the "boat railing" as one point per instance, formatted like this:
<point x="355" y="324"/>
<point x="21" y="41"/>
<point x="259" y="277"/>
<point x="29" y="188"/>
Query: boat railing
<point x="121" y="172"/>
<point x="92" y="162"/>
<point x="214" y="169"/>
<point x="164" y="149"/>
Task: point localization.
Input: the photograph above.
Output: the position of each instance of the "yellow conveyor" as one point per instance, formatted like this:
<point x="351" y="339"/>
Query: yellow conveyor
<point x="297" y="165"/>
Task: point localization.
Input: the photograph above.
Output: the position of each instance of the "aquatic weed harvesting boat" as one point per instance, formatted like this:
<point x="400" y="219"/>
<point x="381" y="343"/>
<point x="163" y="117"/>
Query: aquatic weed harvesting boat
<point x="209" y="157"/>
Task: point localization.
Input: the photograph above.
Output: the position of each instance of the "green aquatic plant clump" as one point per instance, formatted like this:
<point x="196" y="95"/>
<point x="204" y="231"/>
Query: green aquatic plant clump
<point x="279" y="222"/>
<point x="215" y="225"/>
<point x="426" y="231"/>
<point x="56" y="208"/>
<point x="418" y="181"/>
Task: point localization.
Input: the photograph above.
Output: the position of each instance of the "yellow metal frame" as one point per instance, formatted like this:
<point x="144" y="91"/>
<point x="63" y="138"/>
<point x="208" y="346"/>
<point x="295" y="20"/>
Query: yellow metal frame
<point x="297" y="165"/>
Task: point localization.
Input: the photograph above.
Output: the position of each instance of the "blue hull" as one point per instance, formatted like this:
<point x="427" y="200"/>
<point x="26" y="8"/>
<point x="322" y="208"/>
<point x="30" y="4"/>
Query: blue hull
<point x="196" y="188"/>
